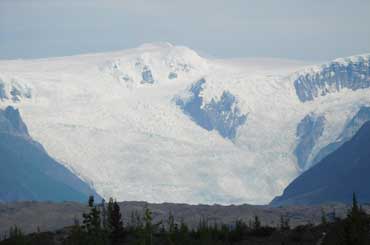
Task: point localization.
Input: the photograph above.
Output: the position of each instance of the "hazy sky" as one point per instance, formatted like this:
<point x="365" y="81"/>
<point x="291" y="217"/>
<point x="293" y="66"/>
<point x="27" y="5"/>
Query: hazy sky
<point x="299" y="29"/>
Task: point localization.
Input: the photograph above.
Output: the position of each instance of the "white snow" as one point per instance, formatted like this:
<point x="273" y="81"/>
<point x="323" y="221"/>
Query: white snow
<point x="131" y="141"/>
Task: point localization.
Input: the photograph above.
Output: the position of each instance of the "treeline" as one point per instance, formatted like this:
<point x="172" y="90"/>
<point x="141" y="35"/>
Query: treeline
<point x="103" y="225"/>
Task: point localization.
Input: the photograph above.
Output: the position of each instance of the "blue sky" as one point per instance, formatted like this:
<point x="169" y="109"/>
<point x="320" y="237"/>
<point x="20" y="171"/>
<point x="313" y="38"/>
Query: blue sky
<point x="298" y="29"/>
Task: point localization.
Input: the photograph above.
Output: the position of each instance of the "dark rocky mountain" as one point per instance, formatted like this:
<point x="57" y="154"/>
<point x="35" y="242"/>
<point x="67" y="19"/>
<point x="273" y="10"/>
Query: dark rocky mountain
<point x="27" y="172"/>
<point x="336" y="177"/>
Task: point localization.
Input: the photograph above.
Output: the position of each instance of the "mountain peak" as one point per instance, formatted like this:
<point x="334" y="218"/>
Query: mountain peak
<point x="156" y="45"/>
<point x="156" y="62"/>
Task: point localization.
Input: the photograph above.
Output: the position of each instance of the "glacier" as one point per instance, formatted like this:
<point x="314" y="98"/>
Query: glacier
<point x="309" y="131"/>
<point x="124" y="122"/>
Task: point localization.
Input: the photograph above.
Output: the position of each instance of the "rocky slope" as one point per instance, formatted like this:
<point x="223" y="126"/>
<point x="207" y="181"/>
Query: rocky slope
<point x="341" y="173"/>
<point x="27" y="172"/>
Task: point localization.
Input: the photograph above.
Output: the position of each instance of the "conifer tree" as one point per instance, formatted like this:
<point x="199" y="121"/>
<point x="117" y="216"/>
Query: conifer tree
<point x="324" y="220"/>
<point x="16" y="236"/>
<point x="109" y="210"/>
<point x="256" y="223"/>
<point x="148" y="226"/>
<point x="103" y="214"/>
<point x="115" y="224"/>
<point x="357" y="226"/>
<point x="171" y="223"/>
<point x="77" y="235"/>
<point x="355" y="207"/>
<point x="92" y="225"/>
<point x="284" y="223"/>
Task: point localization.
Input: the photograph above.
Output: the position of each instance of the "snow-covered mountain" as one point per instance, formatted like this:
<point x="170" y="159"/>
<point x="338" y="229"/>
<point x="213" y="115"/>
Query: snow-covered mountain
<point x="160" y="123"/>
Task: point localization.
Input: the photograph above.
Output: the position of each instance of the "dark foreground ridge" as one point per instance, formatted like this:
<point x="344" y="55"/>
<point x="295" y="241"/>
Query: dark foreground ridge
<point x="46" y="216"/>
<point x="138" y="223"/>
